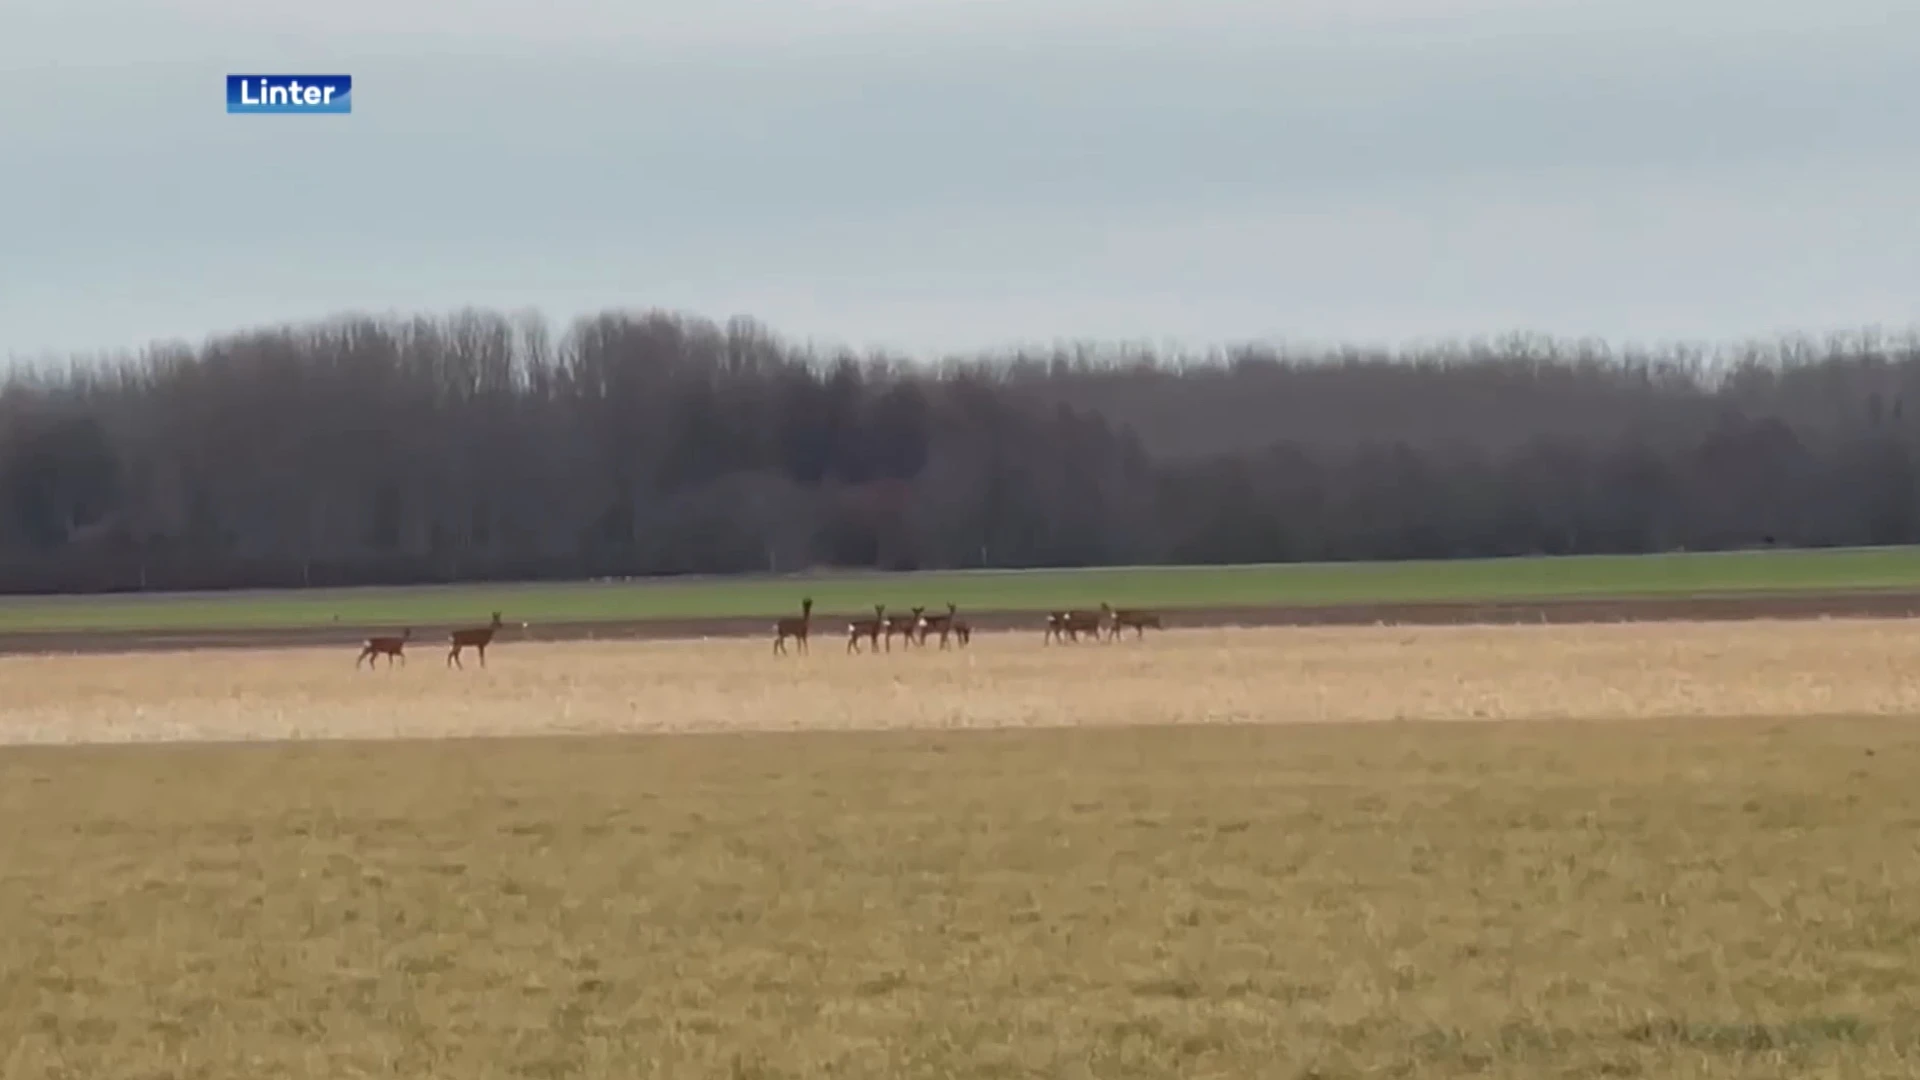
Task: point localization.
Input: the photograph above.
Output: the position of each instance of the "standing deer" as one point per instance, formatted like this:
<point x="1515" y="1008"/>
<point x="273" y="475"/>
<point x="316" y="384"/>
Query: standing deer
<point x="867" y="628"/>
<point x="1056" y="627"/>
<point x="797" y="629"/>
<point x="1076" y="623"/>
<point x="474" y="637"/>
<point x="904" y="625"/>
<point x="941" y="623"/>
<point x="388" y="646"/>
<point x="963" y="631"/>
<point x="1124" y="617"/>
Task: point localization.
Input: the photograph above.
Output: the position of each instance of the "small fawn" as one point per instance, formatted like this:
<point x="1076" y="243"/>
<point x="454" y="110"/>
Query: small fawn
<point x="867" y="628"/>
<point x="476" y="638"/>
<point x="388" y="646"/>
<point x="904" y="625"/>
<point x="797" y="629"/>
<point x="941" y="623"/>
<point x="1056" y="627"/>
<point x="1138" y="620"/>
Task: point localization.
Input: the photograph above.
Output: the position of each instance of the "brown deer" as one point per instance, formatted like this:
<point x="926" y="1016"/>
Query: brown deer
<point x="1056" y="627"/>
<point x="476" y="638"/>
<point x="963" y="631"/>
<point x="1082" y="622"/>
<point x="1128" y="617"/>
<point x="797" y="629"/>
<point x="941" y="623"/>
<point x="904" y="625"/>
<point x="388" y="646"/>
<point x="867" y="628"/>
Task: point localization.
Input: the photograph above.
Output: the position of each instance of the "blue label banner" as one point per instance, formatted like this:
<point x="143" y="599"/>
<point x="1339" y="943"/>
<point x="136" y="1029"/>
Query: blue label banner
<point x="282" y="94"/>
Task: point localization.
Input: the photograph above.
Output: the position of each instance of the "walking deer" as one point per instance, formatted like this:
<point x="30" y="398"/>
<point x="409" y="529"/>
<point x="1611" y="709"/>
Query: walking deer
<point x="1125" y="617"/>
<point x="962" y="630"/>
<point x="388" y="646"/>
<point x="1056" y="627"/>
<point x="797" y="629"/>
<point x="904" y="625"/>
<point x="476" y="638"/>
<point x="942" y="624"/>
<point x="867" y="628"/>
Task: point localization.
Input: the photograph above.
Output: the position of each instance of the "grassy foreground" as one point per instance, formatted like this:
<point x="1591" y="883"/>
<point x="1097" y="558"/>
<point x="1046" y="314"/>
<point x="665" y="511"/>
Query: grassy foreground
<point x="1161" y="587"/>
<point x="1707" y="899"/>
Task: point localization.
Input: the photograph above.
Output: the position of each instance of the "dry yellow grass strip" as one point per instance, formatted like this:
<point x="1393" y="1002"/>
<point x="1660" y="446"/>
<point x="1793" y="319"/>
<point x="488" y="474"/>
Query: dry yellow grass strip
<point x="1697" y="899"/>
<point x="1006" y="680"/>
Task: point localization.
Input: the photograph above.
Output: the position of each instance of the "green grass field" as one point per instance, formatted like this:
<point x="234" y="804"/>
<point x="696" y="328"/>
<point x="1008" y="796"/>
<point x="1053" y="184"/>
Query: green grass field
<point x="1160" y="587"/>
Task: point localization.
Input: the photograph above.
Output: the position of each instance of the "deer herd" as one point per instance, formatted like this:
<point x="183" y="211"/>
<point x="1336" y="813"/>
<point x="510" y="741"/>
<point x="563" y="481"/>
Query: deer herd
<point x="394" y="647"/>
<point x="916" y="626"/>
<point x="912" y="628"/>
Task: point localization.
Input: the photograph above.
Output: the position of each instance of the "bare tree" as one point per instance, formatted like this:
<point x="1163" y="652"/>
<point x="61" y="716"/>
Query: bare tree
<point x="478" y="445"/>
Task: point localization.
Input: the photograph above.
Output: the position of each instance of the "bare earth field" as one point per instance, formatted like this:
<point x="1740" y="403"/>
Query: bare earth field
<point x="1587" y="671"/>
<point x="1173" y="859"/>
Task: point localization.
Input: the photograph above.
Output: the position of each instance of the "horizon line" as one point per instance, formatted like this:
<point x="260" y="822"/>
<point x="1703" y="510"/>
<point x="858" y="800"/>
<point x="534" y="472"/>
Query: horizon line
<point x="1166" y="347"/>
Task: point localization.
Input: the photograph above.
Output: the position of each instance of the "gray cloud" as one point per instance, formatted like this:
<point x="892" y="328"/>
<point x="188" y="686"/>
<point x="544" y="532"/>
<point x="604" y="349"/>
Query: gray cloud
<point x="956" y="174"/>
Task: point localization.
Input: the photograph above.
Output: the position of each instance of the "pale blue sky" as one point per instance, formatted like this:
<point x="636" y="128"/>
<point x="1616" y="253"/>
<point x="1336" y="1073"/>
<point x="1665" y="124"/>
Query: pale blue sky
<point x="950" y="174"/>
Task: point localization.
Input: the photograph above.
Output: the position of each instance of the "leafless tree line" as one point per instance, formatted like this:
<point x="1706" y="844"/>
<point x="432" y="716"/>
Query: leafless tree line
<point x="477" y="446"/>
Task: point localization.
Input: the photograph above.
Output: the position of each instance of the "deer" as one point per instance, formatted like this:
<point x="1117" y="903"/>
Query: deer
<point x="904" y="625"/>
<point x="867" y="628"/>
<point x="797" y="629"/>
<point x="963" y="631"/>
<point x="1125" y="617"/>
<point x="476" y="638"/>
<point x="1056" y="627"/>
<point x="1076" y="623"/>
<point x="388" y="646"/>
<point x="941" y="623"/>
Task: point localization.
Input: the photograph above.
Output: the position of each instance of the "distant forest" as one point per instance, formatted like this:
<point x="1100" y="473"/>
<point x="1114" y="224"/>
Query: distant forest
<point x="482" y="446"/>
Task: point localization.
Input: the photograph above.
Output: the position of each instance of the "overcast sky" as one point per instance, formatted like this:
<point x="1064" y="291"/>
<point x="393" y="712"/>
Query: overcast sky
<point x="933" y="175"/>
